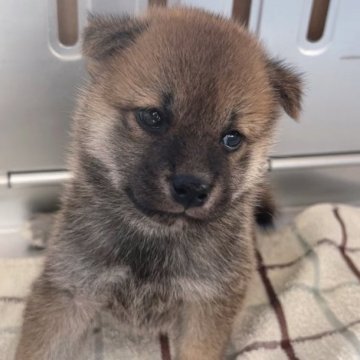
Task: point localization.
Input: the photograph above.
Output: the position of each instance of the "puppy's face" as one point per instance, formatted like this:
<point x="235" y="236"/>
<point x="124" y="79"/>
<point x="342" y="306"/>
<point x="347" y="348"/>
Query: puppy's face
<point x="180" y="111"/>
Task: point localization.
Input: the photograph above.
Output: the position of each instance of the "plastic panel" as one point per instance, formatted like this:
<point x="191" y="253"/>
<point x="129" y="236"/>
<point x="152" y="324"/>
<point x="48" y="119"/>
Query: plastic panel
<point x="330" y="120"/>
<point x="331" y="66"/>
<point x="39" y="78"/>
<point x="222" y="7"/>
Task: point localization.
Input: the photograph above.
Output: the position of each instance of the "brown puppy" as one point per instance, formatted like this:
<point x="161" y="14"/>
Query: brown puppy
<point x="169" y="150"/>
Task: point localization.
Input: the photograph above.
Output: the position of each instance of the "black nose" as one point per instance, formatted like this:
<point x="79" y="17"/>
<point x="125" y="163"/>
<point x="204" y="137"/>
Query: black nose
<point x="189" y="190"/>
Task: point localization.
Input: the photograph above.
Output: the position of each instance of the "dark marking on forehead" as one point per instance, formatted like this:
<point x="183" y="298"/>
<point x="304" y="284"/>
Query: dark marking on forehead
<point x="167" y="101"/>
<point x="166" y="107"/>
<point x="232" y="119"/>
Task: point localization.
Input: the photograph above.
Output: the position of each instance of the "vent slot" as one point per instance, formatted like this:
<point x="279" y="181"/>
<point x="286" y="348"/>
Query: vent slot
<point x="241" y="11"/>
<point x="319" y="13"/>
<point x="67" y="18"/>
<point x="157" y="2"/>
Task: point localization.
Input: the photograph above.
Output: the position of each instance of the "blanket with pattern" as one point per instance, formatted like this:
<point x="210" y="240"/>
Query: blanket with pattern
<point x="303" y="302"/>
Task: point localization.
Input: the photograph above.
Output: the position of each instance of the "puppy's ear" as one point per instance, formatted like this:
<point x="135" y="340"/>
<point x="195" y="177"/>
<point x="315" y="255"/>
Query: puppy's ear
<point x="287" y="85"/>
<point x="106" y="35"/>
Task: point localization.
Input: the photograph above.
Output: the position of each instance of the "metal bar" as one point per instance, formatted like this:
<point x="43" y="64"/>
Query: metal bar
<point x="19" y="179"/>
<point x="313" y="161"/>
<point x="4" y="181"/>
<point x="58" y="177"/>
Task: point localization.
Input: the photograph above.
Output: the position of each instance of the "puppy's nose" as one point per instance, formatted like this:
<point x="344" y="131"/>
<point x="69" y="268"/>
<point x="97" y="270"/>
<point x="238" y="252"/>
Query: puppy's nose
<point x="189" y="190"/>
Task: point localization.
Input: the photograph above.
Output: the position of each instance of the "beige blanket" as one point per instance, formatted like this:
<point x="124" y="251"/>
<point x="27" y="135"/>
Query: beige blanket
<point x="303" y="304"/>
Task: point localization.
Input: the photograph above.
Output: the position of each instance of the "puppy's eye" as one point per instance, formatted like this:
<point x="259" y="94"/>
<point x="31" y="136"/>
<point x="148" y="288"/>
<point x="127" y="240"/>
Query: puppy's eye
<point x="232" y="140"/>
<point x="151" y="120"/>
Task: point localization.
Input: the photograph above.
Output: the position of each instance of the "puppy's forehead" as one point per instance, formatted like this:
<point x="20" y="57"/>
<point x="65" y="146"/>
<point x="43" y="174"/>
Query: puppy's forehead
<point x="206" y="64"/>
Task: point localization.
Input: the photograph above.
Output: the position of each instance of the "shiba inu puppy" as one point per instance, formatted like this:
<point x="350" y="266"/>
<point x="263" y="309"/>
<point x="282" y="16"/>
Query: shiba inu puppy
<point x="170" y="143"/>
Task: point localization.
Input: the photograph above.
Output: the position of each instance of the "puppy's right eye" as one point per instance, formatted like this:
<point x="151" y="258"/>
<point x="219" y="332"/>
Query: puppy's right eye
<point x="232" y="140"/>
<point x="152" y="120"/>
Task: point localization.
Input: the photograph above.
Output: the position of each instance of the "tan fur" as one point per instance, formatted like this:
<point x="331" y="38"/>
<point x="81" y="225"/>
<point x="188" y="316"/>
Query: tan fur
<point x="121" y="242"/>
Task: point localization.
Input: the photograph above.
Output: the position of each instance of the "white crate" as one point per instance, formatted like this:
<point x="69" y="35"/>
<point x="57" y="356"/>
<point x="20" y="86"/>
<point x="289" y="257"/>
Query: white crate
<point x="39" y="75"/>
<point x="330" y="122"/>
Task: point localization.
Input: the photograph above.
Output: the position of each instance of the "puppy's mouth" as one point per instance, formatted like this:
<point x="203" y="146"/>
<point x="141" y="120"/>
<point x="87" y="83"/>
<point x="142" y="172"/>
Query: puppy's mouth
<point x="168" y="217"/>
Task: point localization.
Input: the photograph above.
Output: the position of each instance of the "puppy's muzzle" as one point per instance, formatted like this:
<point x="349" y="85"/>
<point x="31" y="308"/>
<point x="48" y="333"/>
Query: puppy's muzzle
<point x="189" y="190"/>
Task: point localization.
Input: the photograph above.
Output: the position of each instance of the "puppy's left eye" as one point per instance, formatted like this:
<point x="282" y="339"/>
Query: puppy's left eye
<point x="232" y="140"/>
<point x="151" y="120"/>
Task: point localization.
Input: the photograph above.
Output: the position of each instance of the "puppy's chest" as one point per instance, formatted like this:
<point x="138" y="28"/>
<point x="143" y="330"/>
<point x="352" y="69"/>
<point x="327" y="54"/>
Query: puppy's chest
<point x="156" y="281"/>
<point x="144" y="305"/>
<point x="149" y="304"/>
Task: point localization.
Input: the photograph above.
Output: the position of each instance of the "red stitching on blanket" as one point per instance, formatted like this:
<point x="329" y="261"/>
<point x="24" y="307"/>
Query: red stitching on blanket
<point x="307" y="253"/>
<point x="342" y="247"/>
<point x="164" y="347"/>
<point x="275" y="344"/>
<point x="279" y="312"/>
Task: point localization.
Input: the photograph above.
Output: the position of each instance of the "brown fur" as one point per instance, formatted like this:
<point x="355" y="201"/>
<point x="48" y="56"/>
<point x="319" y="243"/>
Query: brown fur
<point x="121" y="243"/>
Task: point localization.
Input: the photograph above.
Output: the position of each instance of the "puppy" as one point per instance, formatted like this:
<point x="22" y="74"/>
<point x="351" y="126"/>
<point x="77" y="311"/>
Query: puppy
<point x="170" y="143"/>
